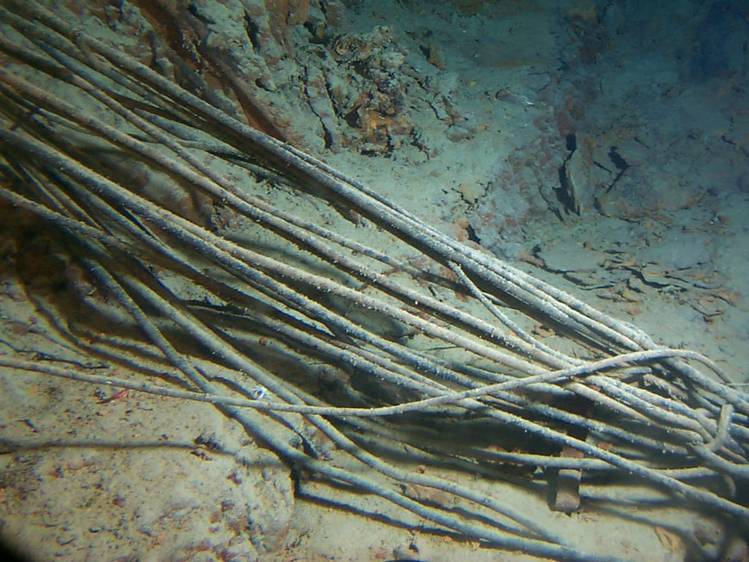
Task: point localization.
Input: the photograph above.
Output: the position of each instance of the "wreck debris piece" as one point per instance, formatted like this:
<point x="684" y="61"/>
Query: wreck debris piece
<point x="435" y="57"/>
<point x="510" y="96"/>
<point x="567" y="490"/>
<point x="471" y="191"/>
<point x="247" y="60"/>
<point x="240" y="52"/>
<point x="371" y="97"/>
<point x="322" y="106"/>
<point x="575" y="185"/>
<point x="299" y="305"/>
<point x="265" y="118"/>
<point x="587" y="174"/>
